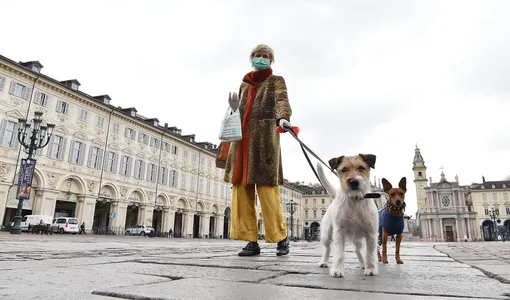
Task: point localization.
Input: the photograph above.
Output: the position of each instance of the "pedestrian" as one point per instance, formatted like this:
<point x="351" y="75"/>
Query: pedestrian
<point x="82" y="228"/>
<point x="170" y="233"/>
<point x="254" y="163"/>
<point x="502" y="233"/>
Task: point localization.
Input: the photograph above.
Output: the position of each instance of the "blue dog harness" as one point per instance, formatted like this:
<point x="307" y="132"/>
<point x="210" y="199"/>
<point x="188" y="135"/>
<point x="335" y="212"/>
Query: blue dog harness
<point x="393" y="224"/>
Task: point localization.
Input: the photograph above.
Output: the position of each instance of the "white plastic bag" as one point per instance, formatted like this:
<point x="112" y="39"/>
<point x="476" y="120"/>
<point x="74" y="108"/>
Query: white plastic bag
<point x="230" y="130"/>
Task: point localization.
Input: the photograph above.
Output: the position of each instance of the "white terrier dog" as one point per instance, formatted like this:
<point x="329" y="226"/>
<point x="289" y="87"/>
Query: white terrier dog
<point x="350" y="217"/>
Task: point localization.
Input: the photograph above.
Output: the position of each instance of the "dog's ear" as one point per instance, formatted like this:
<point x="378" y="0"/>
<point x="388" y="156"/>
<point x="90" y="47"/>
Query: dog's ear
<point x="335" y="162"/>
<point x="386" y="185"/>
<point x="402" y="184"/>
<point x="369" y="159"/>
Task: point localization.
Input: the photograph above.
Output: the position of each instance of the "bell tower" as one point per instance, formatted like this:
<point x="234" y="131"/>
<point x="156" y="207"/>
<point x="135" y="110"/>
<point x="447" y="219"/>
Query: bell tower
<point x="420" y="179"/>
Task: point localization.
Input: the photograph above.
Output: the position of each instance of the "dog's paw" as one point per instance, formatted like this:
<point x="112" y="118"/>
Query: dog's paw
<point x="400" y="262"/>
<point x="371" y="271"/>
<point x="322" y="264"/>
<point x="337" y="273"/>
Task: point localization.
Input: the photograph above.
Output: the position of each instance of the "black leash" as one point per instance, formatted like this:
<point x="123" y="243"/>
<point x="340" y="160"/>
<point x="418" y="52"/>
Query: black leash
<point x="305" y="148"/>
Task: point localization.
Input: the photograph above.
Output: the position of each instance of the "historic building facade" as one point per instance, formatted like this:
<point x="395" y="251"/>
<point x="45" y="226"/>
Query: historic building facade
<point x="491" y="202"/>
<point x="443" y="212"/>
<point x="108" y="166"/>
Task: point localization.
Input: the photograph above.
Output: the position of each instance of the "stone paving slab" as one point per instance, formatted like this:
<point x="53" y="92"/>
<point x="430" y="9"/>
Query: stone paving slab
<point x="400" y="282"/>
<point x="201" y="289"/>
<point x="186" y="271"/>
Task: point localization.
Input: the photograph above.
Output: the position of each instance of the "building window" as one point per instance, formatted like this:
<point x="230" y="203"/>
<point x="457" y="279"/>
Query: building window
<point x="208" y="163"/>
<point x="496" y="211"/>
<point x="125" y="166"/>
<point x="495" y="196"/>
<point x="314" y="214"/>
<point x="193" y="187"/>
<point x="95" y="157"/>
<point x="2" y="83"/>
<point x="139" y="169"/>
<point x="505" y="196"/>
<point x="306" y="201"/>
<point x="62" y="107"/>
<point x="57" y="147"/>
<point x="208" y="188"/>
<point x="201" y="185"/>
<point x="111" y="162"/>
<point x="174" y="150"/>
<point x="215" y="193"/>
<point x="130" y="133"/>
<point x="486" y="210"/>
<point x="100" y="121"/>
<point x="507" y="209"/>
<point x="183" y="181"/>
<point x="174" y="178"/>
<point x="143" y="138"/>
<point x="314" y="201"/>
<point x="163" y="176"/>
<point x="185" y="154"/>
<point x="166" y="147"/>
<point x="76" y="153"/>
<point x="323" y="200"/>
<point x="115" y="128"/>
<point x="155" y="142"/>
<point x="41" y="99"/>
<point x="194" y="157"/>
<point x="9" y="134"/>
<point x="222" y="193"/>
<point x="445" y="200"/>
<point x="20" y="90"/>
<point x="151" y="173"/>
<point x="306" y="213"/>
<point x="484" y="197"/>
<point x="83" y="115"/>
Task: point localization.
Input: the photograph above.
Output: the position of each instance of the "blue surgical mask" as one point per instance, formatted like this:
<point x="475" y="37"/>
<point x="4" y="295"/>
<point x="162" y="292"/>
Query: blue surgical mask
<point x="260" y="63"/>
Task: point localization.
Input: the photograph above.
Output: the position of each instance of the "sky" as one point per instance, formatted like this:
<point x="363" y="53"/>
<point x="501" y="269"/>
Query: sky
<point x="367" y="76"/>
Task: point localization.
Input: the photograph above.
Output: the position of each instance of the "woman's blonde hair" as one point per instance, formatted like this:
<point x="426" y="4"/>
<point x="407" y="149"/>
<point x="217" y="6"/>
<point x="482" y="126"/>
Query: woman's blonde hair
<point x="265" y="47"/>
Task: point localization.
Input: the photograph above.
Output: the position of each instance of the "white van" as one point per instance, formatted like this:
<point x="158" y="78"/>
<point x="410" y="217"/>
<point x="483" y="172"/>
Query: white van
<point x="33" y="220"/>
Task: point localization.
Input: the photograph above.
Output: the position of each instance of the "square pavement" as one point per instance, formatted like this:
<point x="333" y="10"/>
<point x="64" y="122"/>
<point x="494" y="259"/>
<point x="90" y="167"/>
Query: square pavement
<point x="108" y="267"/>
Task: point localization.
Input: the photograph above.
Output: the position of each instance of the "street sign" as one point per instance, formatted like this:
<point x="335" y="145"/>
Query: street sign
<point x="112" y="215"/>
<point x="26" y="174"/>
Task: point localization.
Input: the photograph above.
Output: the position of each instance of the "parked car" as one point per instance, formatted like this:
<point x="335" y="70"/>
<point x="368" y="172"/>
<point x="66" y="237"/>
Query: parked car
<point x="140" y="230"/>
<point x="33" y="220"/>
<point x="65" y="225"/>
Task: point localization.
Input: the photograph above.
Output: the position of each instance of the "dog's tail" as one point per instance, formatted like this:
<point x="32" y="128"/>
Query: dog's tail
<point x="327" y="185"/>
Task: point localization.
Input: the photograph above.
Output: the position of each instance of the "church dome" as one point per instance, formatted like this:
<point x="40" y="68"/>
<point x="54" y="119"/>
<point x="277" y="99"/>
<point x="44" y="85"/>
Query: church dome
<point x="417" y="155"/>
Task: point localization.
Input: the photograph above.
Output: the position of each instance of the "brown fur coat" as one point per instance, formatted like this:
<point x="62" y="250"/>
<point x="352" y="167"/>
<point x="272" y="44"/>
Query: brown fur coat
<point x="264" y="159"/>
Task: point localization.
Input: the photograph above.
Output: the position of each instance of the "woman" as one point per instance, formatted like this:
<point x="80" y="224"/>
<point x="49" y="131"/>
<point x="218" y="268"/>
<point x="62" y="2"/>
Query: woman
<point x="254" y="163"/>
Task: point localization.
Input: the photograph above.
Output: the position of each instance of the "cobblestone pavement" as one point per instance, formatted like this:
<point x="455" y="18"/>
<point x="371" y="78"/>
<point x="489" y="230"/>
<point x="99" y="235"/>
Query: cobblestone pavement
<point x="492" y="258"/>
<point x="106" y="267"/>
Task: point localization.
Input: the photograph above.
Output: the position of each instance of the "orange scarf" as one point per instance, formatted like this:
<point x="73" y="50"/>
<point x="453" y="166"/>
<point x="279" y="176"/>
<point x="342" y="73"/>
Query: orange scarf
<point x="254" y="78"/>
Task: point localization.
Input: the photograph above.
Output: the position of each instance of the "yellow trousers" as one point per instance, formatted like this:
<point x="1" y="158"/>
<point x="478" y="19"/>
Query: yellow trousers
<point x="244" y="216"/>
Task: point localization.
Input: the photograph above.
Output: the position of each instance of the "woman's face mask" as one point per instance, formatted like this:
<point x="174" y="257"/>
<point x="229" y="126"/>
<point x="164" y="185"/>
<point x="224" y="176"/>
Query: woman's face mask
<point x="260" y="63"/>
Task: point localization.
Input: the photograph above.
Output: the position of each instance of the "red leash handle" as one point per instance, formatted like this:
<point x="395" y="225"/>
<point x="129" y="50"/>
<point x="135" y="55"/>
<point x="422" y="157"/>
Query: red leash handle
<point x="294" y="129"/>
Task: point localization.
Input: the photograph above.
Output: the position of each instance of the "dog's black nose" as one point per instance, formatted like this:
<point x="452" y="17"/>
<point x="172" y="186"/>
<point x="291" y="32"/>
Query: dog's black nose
<point x="398" y="202"/>
<point x="354" y="184"/>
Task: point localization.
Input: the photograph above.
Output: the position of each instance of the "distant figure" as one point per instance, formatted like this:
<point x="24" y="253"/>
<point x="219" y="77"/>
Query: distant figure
<point x="82" y="228"/>
<point x="465" y="238"/>
<point x="170" y="233"/>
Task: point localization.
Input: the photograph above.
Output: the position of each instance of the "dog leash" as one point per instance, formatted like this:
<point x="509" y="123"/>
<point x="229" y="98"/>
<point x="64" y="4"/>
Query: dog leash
<point x="305" y="148"/>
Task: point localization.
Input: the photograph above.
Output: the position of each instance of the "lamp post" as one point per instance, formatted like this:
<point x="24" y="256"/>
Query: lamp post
<point x="39" y="138"/>
<point x="291" y="204"/>
<point x="494" y="214"/>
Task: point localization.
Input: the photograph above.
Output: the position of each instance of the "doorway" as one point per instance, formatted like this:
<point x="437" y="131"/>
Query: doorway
<point x="196" y="226"/>
<point x="178" y="224"/>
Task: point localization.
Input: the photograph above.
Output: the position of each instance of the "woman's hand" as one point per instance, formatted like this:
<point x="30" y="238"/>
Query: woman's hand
<point x="233" y="101"/>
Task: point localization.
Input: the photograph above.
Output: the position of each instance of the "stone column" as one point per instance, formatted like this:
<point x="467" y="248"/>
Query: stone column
<point x="457" y="231"/>
<point x="87" y="210"/>
<point x="187" y="217"/>
<point x="441" y="228"/>
<point x="80" y="209"/>
<point x="470" y="234"/>
<point x="219" y="229"/>
<point x="205" y="224"/>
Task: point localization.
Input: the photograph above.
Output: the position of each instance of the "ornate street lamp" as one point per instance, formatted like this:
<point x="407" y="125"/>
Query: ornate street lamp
<point x="494" y="215"/>
<point x="39" y="138"/>
<point x="291" y="208"/>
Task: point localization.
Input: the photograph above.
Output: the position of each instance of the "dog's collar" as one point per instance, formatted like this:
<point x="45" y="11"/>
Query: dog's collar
<point x="395" y="207"/>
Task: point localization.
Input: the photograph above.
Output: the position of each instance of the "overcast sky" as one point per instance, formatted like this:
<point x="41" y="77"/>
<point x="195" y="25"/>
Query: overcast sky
<point x="362" y="76"/>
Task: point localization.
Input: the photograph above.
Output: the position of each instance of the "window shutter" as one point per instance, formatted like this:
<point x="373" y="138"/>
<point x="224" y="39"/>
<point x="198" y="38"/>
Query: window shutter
<point x="37" y="97"/>
<point x="142" y="171"/>
<point x="2" y="132"/>
<point x="100" y="158"/>
<point x="50" y="147"/>
<point x="89" y="159"/>
<point x="28" y="92"/>
<point x="58" y="108"/>
<point x="66" y="108"/>
<point x="13" y="85"/>
<point x="15" y="142"/>
<point x="115" y="162"/>
<point x="71" y="152"/>
<point x="129" y="166"/>
<point x="126" y="132"/>
<point x="81" y="154"/>
<point x="2" y="82"/>
<point x="62" y="153"/>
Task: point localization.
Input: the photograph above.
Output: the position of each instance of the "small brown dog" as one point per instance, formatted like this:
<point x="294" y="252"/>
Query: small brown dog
<point x="391" y="219"/>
